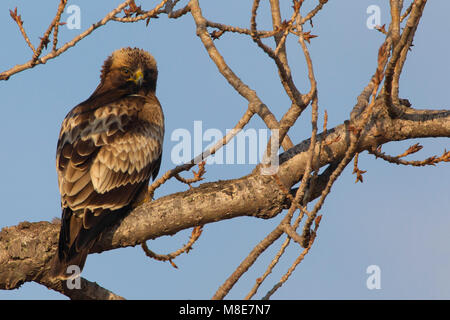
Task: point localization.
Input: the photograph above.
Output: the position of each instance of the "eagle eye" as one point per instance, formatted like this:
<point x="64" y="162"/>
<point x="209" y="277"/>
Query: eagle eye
<point x="125" y="71"/>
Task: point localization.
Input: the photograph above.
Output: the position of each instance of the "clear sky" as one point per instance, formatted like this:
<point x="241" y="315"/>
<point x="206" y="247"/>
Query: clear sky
<point x="398" y="219"/>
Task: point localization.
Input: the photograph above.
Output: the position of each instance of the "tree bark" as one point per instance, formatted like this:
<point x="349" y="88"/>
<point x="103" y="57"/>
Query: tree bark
<point x="26" y="249"/>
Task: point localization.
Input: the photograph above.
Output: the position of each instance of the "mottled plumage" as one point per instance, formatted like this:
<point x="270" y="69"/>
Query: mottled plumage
<point x="108" y="149"/>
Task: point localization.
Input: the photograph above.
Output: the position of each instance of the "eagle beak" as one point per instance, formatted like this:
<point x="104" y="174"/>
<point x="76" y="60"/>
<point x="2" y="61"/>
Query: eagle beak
<point x="138" y="77"/>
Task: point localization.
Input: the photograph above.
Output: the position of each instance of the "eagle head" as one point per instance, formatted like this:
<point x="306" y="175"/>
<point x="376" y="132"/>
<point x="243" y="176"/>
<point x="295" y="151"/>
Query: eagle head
<point x="131" y="70"/>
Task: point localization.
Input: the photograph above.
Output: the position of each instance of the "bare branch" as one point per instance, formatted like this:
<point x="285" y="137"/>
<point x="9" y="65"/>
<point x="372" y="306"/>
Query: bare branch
<point x="196" y="232"/>
<point x="359" y="173"/>
<point x="144" y="15"/>
<point x="399" y="53"/>
<point x="45" y="38"/>
<point x="17" y="18"/>
<point x="227" y="28"/>
<point x="280" y="58"/>
<point x="297" y="261"/>
<point x="187" y="166"/>
<point x="313" y="12"/>
<point x="249" y="94"/>
<point x="445" y="157"/>
<point x="32" y="63"/>
<point x="57" y="20"/>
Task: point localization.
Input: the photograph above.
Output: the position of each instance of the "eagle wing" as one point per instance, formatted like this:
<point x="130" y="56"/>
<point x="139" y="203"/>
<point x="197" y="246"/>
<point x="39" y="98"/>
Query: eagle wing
<point x="105" y="158"/>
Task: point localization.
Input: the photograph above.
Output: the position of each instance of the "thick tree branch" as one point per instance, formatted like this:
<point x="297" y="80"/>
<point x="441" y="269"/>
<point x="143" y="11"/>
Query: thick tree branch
<point x="26" y="249"/>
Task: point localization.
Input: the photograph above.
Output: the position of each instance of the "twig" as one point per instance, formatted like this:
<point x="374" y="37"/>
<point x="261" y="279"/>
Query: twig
<point x="227" y="28"/>
<point x="223" y="290"/>
<point x="187" y="166"/>
<point x="196" y="232"/>
<point x="300" y="194"/>
<point x="445" y="157"/>
<point x="249" y="94"/>
<point x="290" y="231"/>
<point x="275" y="259"/>
<point x="412" y="149"/>
<point x="359" y="173"/>
<point x="372" y="87"/>
<point x="45" y="38"/>
<point x="324" y="178"/>
<point x="291" y="116"/>
<point x="407" y="12"/>
<point x="198" y="176"/>
<point x="296" y="109"/>
<point x="179" y="13"/>
<point x="381" y="29"/>
<point x="30" y="64"/>
<point x="280" y="60"/>
<point x="287" y="26"/>
<point x="143" y="15"/>
<point x="61" y="7"/>
<point x="297" y="261"/>
<point x="399" y="53"/>
<point x="17" y="18"/>
<point x="278" y="231"/>
<point x="313" y="12"/>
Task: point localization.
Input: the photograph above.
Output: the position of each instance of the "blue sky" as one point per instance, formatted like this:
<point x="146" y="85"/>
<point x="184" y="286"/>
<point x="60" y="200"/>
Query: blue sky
<point x="398" y="219"/>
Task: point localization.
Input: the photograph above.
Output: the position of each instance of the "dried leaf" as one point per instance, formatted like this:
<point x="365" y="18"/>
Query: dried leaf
<point x="308" y="36"/>
<point x="45" y="41"/>
<point x="17" y="18"/>
<point x="382" y="29"/>
<point x="359" y="176"/>
<point x="133" y="9"/>
<point x="412" y="149"/>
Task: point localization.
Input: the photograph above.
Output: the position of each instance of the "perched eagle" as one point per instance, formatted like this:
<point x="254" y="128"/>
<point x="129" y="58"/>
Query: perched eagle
<point x="108" y="149"/>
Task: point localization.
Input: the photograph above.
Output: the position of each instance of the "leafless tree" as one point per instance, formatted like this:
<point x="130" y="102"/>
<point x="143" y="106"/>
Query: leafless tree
<point x="380" y="116"/>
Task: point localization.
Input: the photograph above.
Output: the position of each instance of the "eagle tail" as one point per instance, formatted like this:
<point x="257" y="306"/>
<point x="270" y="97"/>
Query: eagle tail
<point x="79" y="232"/>
<point x="64" y="268"/>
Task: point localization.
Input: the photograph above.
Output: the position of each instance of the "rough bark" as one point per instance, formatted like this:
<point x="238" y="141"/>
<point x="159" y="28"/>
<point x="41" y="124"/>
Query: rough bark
<point x="26" y="249"/>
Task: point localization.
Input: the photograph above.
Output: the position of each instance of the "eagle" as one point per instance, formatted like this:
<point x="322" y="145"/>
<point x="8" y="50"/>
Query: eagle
<point x="109" y="148"/>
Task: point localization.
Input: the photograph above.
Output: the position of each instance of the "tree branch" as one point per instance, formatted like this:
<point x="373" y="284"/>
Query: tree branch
<point x="36" y="60"/>
<point x="26" y="249"/>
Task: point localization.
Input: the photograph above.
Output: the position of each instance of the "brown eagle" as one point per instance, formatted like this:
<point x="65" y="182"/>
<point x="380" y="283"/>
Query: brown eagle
<point x="108" y="149"/>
